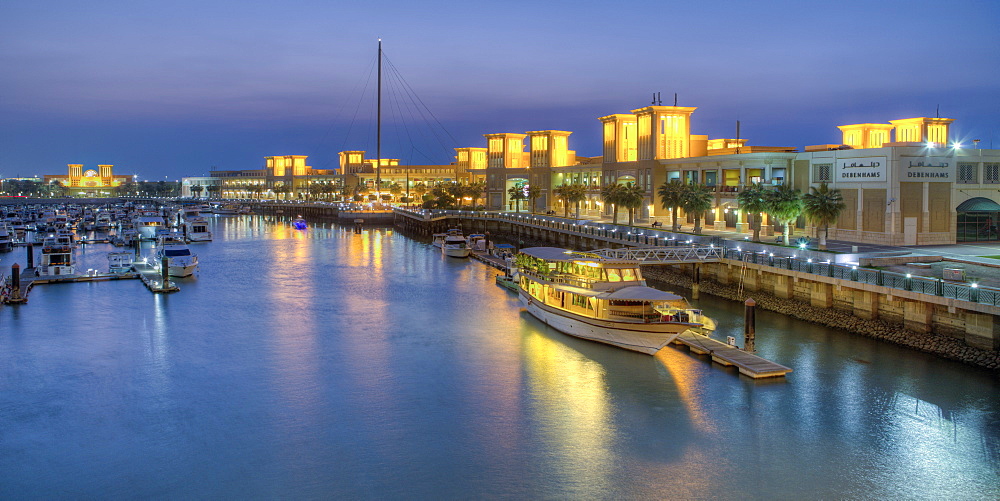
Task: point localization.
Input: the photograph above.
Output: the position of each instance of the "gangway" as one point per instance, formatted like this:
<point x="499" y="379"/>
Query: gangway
<point x="661" y="255"/>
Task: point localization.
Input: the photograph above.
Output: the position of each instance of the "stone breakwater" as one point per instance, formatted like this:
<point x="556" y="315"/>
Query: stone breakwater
<point x="936" y="344"/>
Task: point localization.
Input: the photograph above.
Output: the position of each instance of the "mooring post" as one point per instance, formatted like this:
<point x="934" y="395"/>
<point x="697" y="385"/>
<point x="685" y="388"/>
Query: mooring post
<point x="136" y="241"/>
<point x="15" y="281"/>
<point x="165" y="271"/>
<point x="749" y="325"/>
<point x="696" y="281"/>
<point x="31" y="255"/>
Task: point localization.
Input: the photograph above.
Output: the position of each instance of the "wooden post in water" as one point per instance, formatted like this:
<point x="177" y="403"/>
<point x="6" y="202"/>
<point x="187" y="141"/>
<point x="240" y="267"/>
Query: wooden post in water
<point x="31" y="255"/>
<point x="15" y="281"/>
<point x="696" y="281"/>
<point x="749" y="325"/>
<point x="165" y="271"/>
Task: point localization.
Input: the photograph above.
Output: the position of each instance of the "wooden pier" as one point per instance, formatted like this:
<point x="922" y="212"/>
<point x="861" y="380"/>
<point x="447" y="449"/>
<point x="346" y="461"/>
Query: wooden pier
<point x="489" y="259"/>
<point x="154" y="279"/>
<point x="28" y="279"/>
<point x="748" y="364"/>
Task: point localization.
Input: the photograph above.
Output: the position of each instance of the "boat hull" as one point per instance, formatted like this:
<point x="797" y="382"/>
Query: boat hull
<point x="647" y="338"/>
<point x="456" y="252"/>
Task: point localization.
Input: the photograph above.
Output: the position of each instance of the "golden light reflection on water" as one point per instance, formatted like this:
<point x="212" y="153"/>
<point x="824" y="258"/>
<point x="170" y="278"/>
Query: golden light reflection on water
<point x="573" y="401"/>
<point x="686" y="375"/>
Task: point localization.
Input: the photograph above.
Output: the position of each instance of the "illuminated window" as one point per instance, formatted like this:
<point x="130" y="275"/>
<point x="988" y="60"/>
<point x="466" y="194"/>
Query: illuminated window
<point x="967" y="174"/>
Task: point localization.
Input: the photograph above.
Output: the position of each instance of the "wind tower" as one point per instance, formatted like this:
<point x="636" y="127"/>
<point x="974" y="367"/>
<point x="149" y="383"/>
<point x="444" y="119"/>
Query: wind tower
<point x="664" y="132"/>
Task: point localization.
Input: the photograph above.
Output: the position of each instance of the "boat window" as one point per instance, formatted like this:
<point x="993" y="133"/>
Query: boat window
<point x="628" y="275"/>
<point x="177" y="252"/>
<point x="613" y="275"/>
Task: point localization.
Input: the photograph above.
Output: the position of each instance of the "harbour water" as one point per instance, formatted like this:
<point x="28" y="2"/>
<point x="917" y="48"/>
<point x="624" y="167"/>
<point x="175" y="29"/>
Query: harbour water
<point x="321" y="363"/>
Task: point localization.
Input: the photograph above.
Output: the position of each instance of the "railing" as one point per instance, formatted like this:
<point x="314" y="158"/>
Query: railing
<point x="661" y="238"/>
<point x="899" y="281"/>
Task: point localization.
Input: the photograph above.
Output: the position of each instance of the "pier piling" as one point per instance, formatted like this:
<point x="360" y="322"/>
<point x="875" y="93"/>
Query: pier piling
<point x="31" y="254"/>
<point x="749" y="325"/>
<point x="15" y="281"/>
<point x="165" y="270"/>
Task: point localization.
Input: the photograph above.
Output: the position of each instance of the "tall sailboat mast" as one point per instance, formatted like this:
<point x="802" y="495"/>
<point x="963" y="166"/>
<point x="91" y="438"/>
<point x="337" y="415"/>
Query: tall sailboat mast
<point x="378" y="133"/>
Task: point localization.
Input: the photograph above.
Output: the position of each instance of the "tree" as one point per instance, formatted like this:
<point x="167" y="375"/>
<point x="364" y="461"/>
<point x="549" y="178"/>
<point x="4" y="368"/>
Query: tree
<point x="197" y="189"/>
<point x="214" y="190"/>
<point x="534" y="193"/>
<point x="420" y="189"/>
<point x="753" y="201"/>
<point x="281" y="189"/>
<point x="577" y="194"/>
<point x="697" y="200"/>
<point x="785" y="205"/>
<point x="611" y="195"/>
<point x="562" y="192"/>
<point x="395" y="189"/>
<point x="632" y="198"/>
<point x="823" y="206"/>
<point x="516" y="193"/>
<point x="475" y="191"/>
<point x="672" y="197"/>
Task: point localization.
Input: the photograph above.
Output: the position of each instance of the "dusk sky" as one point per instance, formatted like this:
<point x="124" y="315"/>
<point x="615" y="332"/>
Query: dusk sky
<point x="176" y="88"/>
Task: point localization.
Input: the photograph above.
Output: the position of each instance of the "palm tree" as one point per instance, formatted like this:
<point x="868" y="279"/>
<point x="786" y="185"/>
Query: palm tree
<point x="475" y="191"/>
<point x="753" y="200"/>
<point x="611" y="195"/>
<point x="576" y="194"/>
<point x="562" y="192"/>
<point x="420" y="189"/>
<point x="632" y="198"/>
<point x="516" y="193"/>
<point x="534" y="192"/>
<point x="823" y="206"/>
<point x="197" y="189"/>
<point x="672" y="197"/>
<point x="697" y="199"/>
<point x="785" y="205"/>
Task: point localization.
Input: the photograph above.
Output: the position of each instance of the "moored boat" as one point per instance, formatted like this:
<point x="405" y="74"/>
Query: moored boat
<point x="299" y="223"/>
<point x="180" y="261"/>
<point x="455" y="245"/>
<point x="604" y="300"/>
<point x="57" y="258"/>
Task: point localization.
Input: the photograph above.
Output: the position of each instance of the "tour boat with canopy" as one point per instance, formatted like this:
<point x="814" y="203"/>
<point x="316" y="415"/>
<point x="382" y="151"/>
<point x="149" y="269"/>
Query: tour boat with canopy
<point x="605" y="300"/>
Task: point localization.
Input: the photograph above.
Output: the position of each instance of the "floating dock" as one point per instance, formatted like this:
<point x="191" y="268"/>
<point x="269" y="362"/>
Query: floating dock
<point x="154" y="279"/>
<point x="489" y="259"/>
<point x="28" y="279"/>
<point x="748" y="364"/>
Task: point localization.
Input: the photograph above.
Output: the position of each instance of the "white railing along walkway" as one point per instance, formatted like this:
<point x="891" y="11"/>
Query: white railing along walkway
<point x="662" y="255"/>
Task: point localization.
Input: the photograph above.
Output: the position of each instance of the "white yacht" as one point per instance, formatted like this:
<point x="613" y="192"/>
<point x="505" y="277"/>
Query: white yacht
<point x="195" y="226"/>
<point x="180" y="261"/>
<point x="604" y="300"/>
<point x="455" y="245"/>
<point x="437" y="239"/>
<point x="148" y="225"/>
<point x="57" y="258"/>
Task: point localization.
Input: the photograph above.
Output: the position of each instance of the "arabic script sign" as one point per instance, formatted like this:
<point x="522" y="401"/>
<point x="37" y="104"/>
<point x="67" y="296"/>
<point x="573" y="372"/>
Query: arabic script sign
<point x="928" y="169"/>
<point x="859" y="170"/>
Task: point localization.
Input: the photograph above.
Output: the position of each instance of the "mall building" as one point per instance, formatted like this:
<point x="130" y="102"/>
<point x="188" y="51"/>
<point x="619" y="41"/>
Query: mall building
<point x="905" y="182"/>
<point x="89" y="183"/>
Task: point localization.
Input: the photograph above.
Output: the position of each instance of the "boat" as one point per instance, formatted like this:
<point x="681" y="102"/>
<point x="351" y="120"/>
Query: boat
<point x="120" y="262"/>
<point x="180" y="261"/>
<point x="6" y="238"/>
<point x="507" y="282"/>
<point x="148" y="226"/>
<point x="477" y="242"/>
<point x="455" y="245"/>
<point x="227" y="209"/>
<point x="437" y="239"/>
<point x="605" y="300"/>
<point x="195" y="226"/>
<point x="57" y="258"/>
<point x="299" y="223"/>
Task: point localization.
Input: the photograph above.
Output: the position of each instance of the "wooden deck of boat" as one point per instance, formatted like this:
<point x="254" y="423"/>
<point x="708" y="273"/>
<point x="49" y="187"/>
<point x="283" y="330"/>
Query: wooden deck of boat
<point x="153" y="279"/>
<point x="748" y="364"/>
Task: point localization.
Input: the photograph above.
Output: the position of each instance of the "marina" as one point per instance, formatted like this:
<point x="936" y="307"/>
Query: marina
<point x="365" y="392"/>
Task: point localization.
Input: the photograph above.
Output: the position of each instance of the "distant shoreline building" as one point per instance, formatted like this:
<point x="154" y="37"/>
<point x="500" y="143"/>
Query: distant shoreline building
<point x="905" y="182"/>
<point x="90" y="182"/>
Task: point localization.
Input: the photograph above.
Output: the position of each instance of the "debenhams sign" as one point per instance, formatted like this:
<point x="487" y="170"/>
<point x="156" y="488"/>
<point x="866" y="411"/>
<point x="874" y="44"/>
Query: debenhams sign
<point x="860" y="170"/>
<point x="928" y="169"/>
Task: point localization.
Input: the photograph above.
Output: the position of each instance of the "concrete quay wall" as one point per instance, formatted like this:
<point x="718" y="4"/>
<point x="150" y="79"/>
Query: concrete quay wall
<point x="958" y="330"/>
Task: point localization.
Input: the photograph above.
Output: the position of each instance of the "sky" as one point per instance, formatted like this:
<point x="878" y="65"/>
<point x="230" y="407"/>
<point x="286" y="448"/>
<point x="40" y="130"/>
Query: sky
<point x="171" y="89"/>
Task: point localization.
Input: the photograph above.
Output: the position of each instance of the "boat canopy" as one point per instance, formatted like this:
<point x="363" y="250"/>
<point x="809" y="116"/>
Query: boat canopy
<point x="639" y="293"/>
<point x="550" y="253"/>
